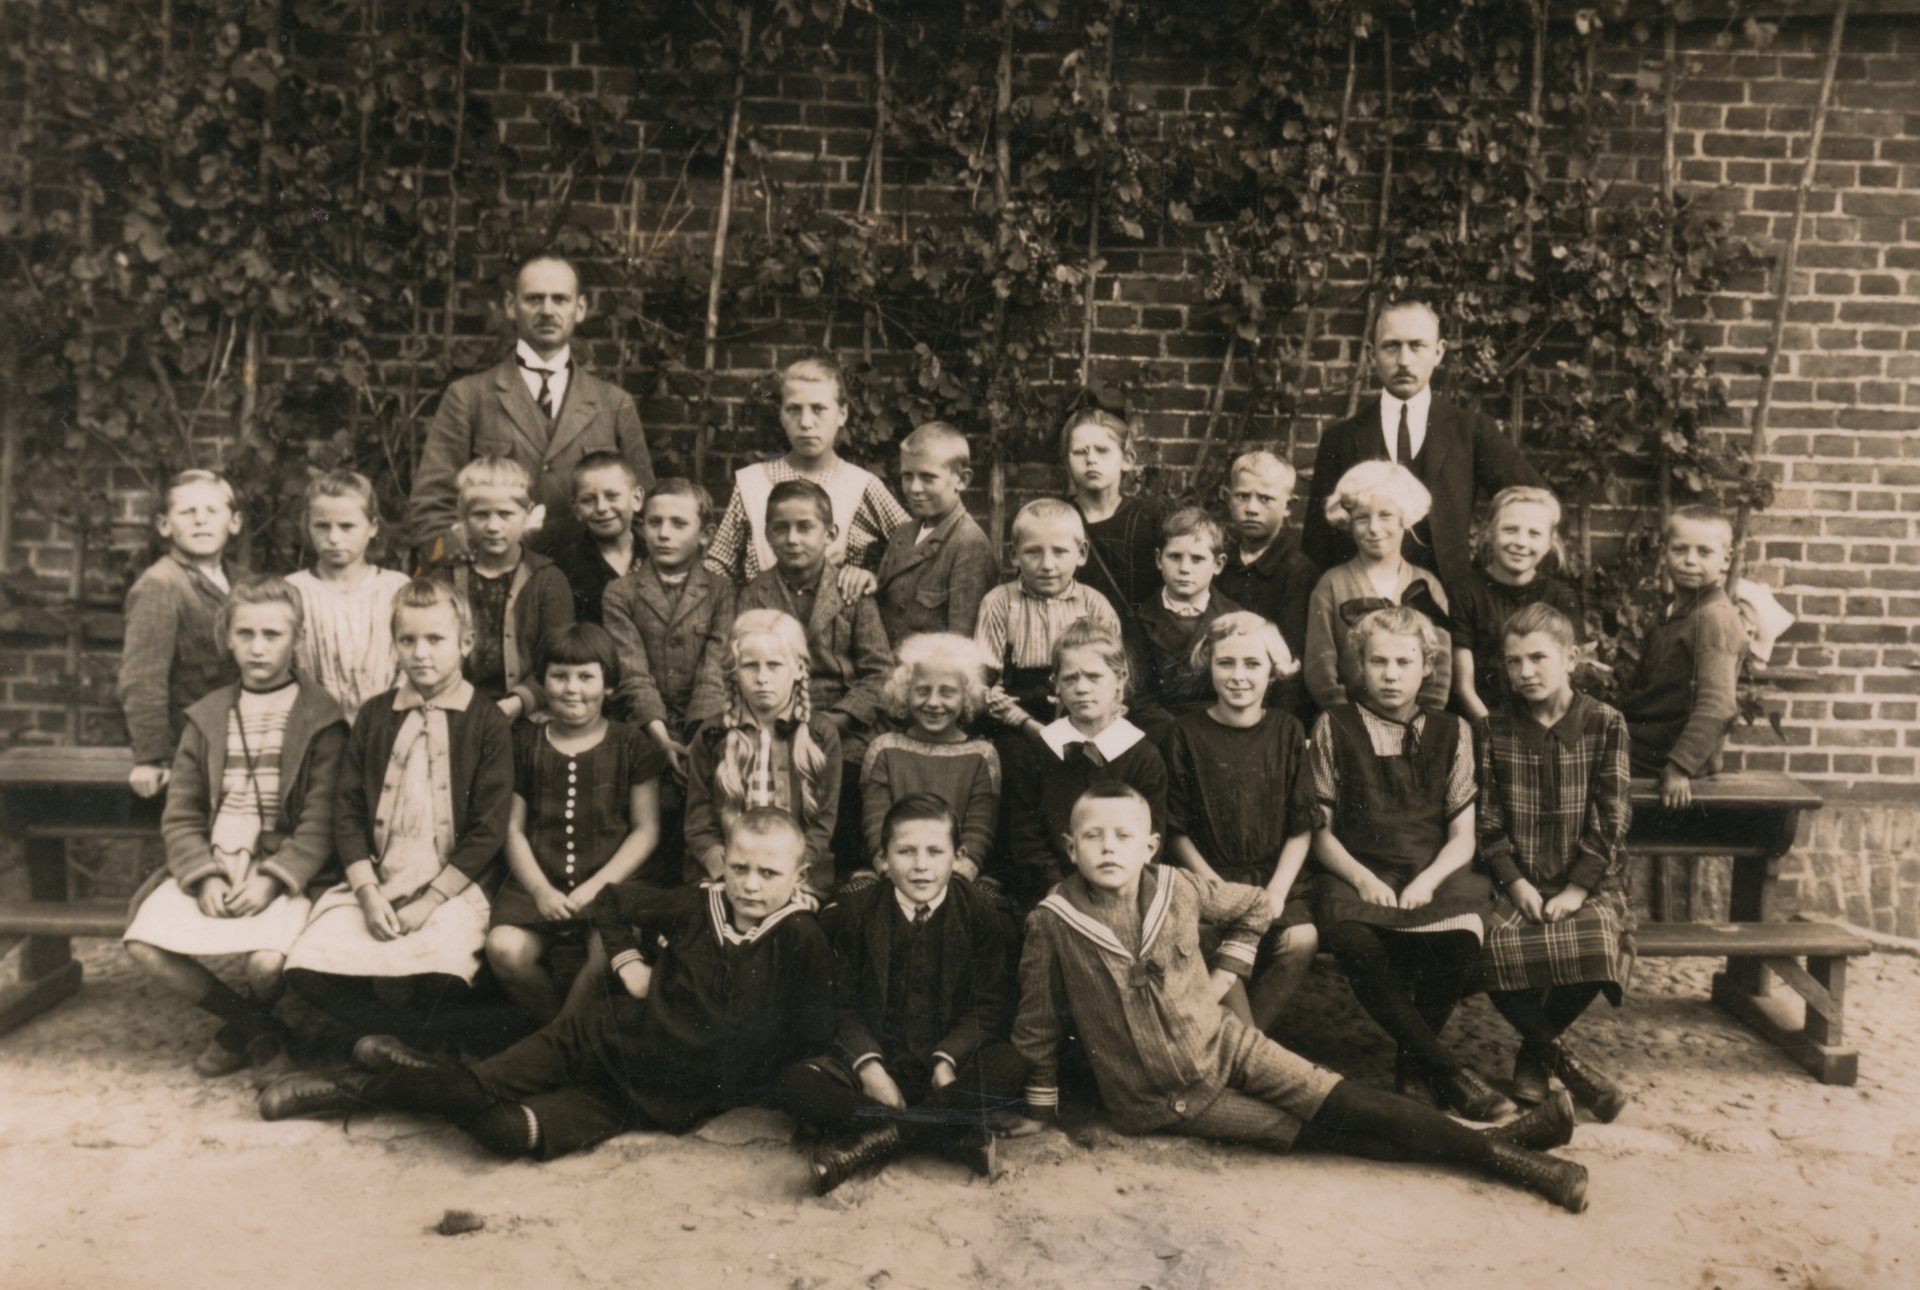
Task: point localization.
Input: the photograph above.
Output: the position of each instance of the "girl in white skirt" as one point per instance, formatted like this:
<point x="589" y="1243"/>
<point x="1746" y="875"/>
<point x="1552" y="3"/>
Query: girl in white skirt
<point x="425" y="795"/>
<point x="248" y="825"/>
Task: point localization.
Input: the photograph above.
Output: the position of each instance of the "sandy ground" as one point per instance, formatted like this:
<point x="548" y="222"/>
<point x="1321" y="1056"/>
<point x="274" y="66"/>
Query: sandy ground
<point x="1731" y="1169"/>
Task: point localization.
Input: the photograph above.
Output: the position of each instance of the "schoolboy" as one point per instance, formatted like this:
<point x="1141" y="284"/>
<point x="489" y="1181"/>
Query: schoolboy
<point x="1116" y="948"/>
<point x="1163" y="633"/>
<point x="606" y="496"/>
<point x="669" y="617"/>
<point x="1267" y="573"/>
<point x="173" y="656"/>
<point x="1021" y="620"/>
<point x="813" y="411"/>
<point x="1121" y="532"/>
<point x="723" y="987"/>
<point x="938" y="565"/>
<point x="925" y="1000"/>
<point x="516" y="595"/>
<point x="1682" y="700"/>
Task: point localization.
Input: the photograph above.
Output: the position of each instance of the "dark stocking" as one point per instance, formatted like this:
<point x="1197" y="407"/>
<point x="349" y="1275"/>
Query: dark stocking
<point x="1356" y="1120"/>
<point x="1542" y="1016"/>
<point x="431" y="1011"/>
<point x="1387" y="996"/>
<point x="244" y="1017"/>
<point x="1439" y="969"/>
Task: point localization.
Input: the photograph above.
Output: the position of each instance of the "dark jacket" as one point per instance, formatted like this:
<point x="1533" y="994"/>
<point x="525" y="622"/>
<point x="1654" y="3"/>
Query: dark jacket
<point x="1463" y="452"/>
<point x="170" y="658"/>
<point x="672" y="651"/>
<point x="976" y="979"/>
<point x="935" y="585"/>
<point x="480" y="753"/>
<point x="492" y="414"/>
<point x="1684" y="696"/>
<point x="539" y="602"/>
<point x="297" y="846"/>
<point x="1166" y="684"/>
<point x="588" y="574"/>
<point x="1040" y="792"/>
<point x="851" y="657"/>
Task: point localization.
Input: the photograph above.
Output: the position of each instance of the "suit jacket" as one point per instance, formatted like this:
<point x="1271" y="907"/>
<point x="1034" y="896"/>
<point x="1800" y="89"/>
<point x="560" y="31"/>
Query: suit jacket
<point x="851" y="657"/>
<point x="1463" y="452"/>
<point x="935" y="585"/>
<point x="492" y="413"/>
<point x="975" y="988"/>
<point x="671" y="651"/>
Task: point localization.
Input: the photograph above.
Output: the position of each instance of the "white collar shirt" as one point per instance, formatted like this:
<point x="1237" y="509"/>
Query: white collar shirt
<point x="1417" y="408"/>
<point x="558" y="371"/>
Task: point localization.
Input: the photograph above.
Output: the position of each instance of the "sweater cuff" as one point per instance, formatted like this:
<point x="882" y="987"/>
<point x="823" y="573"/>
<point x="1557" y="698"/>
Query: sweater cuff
<point x="273" y="869"/>
<point x="450" y="883"/>
<point x="621" y="960"/>
<point x="361" y="873"/>
<point x="862" y="1060"/>
<point x="1587" y="871"/>
<point x="1235" y="956"/>
<point x="1499" y="858"/>
<point x="939" y="1056"/>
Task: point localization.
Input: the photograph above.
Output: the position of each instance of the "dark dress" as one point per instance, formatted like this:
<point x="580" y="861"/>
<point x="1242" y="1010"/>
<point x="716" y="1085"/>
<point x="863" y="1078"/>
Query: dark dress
<point x="1391" y="814"/>
<point x="487" y="663"/>
<point x="1480" y="606"/>
<point x="576" y="808"/>
<point x="1166" y="683"/>
<point x="1238" y="795"/>
<point x="1121" y="562"/>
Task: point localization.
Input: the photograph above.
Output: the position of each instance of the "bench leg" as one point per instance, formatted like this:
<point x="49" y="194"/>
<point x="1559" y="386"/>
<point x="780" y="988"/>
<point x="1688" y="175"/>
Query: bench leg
<point x="48" y="970"/>
<point x="1814" y="1042"/>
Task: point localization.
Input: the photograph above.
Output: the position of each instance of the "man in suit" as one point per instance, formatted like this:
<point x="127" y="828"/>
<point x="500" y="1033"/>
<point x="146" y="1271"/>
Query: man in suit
<point x="536" y="406"/>
<point x="1452" y="450"/>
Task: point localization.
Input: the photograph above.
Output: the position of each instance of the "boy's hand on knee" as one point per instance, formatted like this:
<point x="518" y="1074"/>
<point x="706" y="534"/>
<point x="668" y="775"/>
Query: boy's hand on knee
<point x="254" y="895"/>
<point x="212" y="898"/>
<point x="1676" y="788"/>
<point x="146" y="781"/>
<point x="878" y="1085"/>
<point x="382" y="923"/>
<point x="854" y="583"/>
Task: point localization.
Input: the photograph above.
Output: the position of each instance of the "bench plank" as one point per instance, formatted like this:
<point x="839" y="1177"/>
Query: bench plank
<point x="65" y="767"/>
<point x="1748" y="940"/>
<point x="66" y="919"/>
<point x="1755" y="789"/>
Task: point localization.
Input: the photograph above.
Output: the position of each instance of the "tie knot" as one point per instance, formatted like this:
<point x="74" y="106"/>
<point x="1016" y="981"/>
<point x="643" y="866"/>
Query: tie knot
<point x="921" y="914"/>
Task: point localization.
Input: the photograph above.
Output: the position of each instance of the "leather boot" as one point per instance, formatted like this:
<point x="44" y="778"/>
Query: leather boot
<point x="838" y="1161"/>
<point x="1589" y="1087"/>
<point x="1465" y="1092"/>
<point x="972" y="1147"/>
<point x="383" y="1053"/>
<point x="313" y="1093"/>
<point x="1548" y="1125"/>
<point x="1560" y="1181"/>
<point x="1531" y="1074"/>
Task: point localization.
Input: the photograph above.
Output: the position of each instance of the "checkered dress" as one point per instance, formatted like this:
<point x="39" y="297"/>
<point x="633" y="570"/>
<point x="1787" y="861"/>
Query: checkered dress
<point x="1554" y="810"/>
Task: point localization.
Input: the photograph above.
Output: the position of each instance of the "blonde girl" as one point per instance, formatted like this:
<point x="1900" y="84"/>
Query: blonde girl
<point x="937" y="688"/>
<point x="768" y="748"/>
<point x="1378" y="502"/>
<point x="347" y="647"/>
<point x="1522" y="530"/>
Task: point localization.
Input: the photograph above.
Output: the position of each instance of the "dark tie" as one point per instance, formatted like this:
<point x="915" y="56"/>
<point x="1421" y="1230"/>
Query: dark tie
<point x="920" y="916"/>
<point x="1404" y="447"/>
<point x="545" y="397"/>
<point x="1088" y="751"/>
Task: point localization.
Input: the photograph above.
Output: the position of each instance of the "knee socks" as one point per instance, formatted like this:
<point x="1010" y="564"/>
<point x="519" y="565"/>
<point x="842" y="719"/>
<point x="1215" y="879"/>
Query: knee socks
<point x="1377" y="983"/>
<point x="1361" y="1121"/>
<point x="1542" y="1016"/>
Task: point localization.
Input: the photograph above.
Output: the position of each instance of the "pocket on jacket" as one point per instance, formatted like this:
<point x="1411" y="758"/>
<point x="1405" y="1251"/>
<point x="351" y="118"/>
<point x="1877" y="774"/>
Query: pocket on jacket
<point x="931" y="597"/>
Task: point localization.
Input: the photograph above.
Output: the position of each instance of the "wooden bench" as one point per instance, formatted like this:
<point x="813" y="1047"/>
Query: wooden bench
<point x="51" y="795"/>
<point x="1754" y="818"/>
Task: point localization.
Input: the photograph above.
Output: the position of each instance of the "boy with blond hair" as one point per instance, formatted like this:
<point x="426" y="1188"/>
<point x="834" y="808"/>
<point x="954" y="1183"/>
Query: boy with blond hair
<point x="938" y="566"/>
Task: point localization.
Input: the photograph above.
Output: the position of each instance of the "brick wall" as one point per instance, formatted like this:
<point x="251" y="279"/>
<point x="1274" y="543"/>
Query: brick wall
<point x="1840" y="543"/>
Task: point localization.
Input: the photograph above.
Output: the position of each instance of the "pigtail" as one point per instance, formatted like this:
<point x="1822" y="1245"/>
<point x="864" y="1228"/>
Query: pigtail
<point x="741" y="746"/>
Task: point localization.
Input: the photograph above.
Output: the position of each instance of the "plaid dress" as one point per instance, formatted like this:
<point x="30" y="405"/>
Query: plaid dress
<point x="1554" y="810"/>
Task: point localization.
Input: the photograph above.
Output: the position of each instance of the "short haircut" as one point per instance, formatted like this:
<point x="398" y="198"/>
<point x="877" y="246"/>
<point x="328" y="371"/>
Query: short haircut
<point x="919" y="806"/>
<point x="937" y="652"/>
<point x="943" y="443"/>
<point x="425" y="593"/>
<point x="1524" y="495"/>
<point x="1110" y="790"/>
<point x="260" y="591"/>
<point x="1084" y="633"/>
<point x="1697" y="513"/>
<point x="767" y="822"/>
<point x="801" y="490"/>
<point x="817" y="367"/>
<point x="1123" y="433"/>
<point x="1245" y="623"/>
<point x="1261" y="462"/>
<point x="1189" y="520"/>
<point x="577" y="644"/>
<point x="494" y="472"/>
<point x="1387" y="481"/>
<point x="1395" y="620"/>
<point x="188" y="478"/>
<point x="681" y="486"/>
<point x="1400" y="306"/>
<point x="522" y="264"/>
<point x="603" y="459"/>
<point x="1048" y="510"/>
<point x="345" y="483"/>
<point x="1543" y="618"/>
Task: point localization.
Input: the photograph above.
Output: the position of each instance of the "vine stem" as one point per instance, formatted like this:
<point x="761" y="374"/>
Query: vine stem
<point x="1380" y="227"/>
<point x="721" y="222"/>
<point x="1669" y="195"/>
<point x="1003" y="192"/>
<point x="1757" y="440"/>
<point x="453" y="178"/>
<point x="1093" y="216"/>
<point x="1309" y="327"/>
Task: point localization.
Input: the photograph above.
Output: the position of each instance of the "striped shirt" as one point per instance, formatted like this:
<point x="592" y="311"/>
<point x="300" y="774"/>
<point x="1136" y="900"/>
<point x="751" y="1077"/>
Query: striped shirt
<point x="1013" y="619"/>
<point x="250" y="784"/>
<point x="735" y="552"/>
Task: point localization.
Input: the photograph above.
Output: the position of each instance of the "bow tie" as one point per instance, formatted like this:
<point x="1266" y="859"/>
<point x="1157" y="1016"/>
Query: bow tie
<point x="1418" y="595"/>
<point x="1087" y="751"/>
